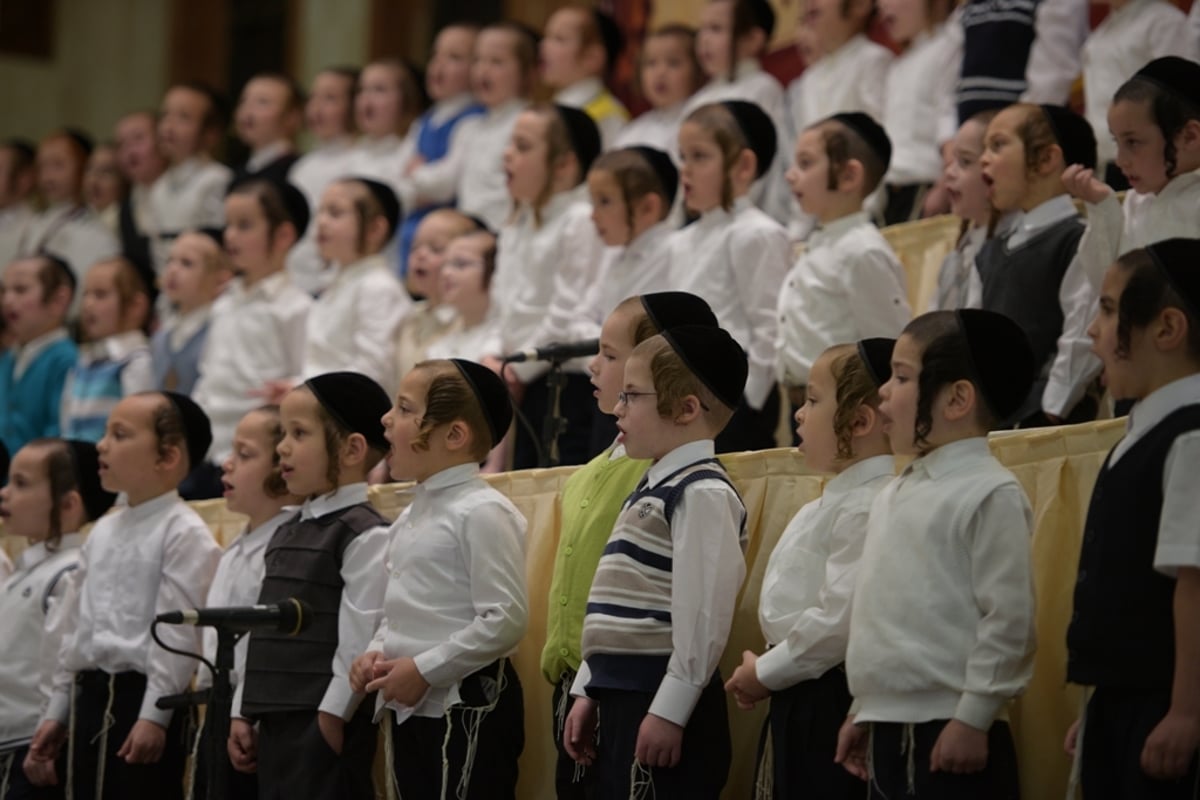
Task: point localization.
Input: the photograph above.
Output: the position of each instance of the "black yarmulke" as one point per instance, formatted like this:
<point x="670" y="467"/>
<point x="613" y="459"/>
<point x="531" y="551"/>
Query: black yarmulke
<point x="356" y="402"/>
<point x="1001" y="359"/>
<point x="387" y="199"/>
<point x="763" y="16"/>
<point x="96" y="499"/>
<point x="1176" y="75"/>
<point x="583" y="133"/>
<point x="295" y="204"/>
<point x="673" y="309"/>
<point x="1074" y="134"/>
<point x="876" y="354"/>
<point x="197" y="431"/>
<point x="492" y="395"/>
<point x="664" y="168"/>
<point x="1179" y="259"/>
<point x="610" y="35"/>
<point x="870" y="131"/>
<point x="757" y="129"/>
<point x="714" y="357"/>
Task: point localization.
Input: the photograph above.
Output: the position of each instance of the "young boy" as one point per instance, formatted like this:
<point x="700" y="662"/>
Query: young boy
<point x="848" y="285"/>
<point x="315" y="736"/>
<point x="17" y="181"/>
<point x="1134" y="630"/>
<point x="578" y="50"/>
<point x="141" y="164"/>
<point x="267" y="119"/>
<point x="196" y="271"/>
<point x="662" y="600"/>
<point x="191" y="192"/>
<point x="36" y="295"/>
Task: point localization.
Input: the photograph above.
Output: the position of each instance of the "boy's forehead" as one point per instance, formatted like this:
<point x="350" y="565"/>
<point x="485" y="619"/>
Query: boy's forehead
<point x="137" y="408"/>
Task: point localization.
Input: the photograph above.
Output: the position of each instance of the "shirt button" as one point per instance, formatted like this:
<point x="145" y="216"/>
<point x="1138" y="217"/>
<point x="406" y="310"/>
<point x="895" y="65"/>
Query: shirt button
<point x="562" y="601"/>
<point x="569" y="550"/>
<point x="583" y="503"/>
<point x="562" y="651"/>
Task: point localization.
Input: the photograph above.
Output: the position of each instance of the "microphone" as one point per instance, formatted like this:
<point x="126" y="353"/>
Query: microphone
<point x="289" y="616"/>
<point x="557" y="351"/>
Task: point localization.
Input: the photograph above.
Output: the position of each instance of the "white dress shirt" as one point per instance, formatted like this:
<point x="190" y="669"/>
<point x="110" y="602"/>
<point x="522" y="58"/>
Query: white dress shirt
<point x="131" y="347"/>
<point x="383" y="159"/>
<point x="848" y="285"/>
<point x="352" y="325"/>
<point x="641" y="267"/>
<point x="1060" y="28"/>
<point x="479" y="142"/>
<point x="1178" y="535"/>
<point x="13" y="221"/>
<point x="255" y="335"/>
<point x="808" y="586"/>
<point x="469" y="343"/>
<point x="456" y="598"/>
<point x="237" y="582"/>
<point x="543" y="273"/>
<point x="364" y="580"/>
<point x="657" y="128"/>
<point x="942" y="624"/>
<point x="851" y="78"/>
<point x="1114" y="229"/>
<point x="1074" y="365"/>
<point x="1193" y="23"/>
<point x="958" y="284"/>
<point x="1127" y="39"/>
<point x="31" y="627"/>
<point x="707" y="565"/>
<point x="737" y="262"/>
<point x="138" y="562"/>
<point x="580" y="94"/>
<point x="918" y="100"/>
<point x="6" y="566"/>
<point x="312" y="174"/>
<point x="188" y="195"/>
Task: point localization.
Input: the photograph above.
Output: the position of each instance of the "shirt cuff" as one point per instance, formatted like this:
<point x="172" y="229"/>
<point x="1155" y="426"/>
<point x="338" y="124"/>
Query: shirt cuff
<point x="153" y="713"/>
<point x="772" y="667"/>
<point x="59" y="707"/>
<point x="675" y="700"/>
<point x="428" y="664"/>
<point x="340" y="700"/>
<point x="978" y="710"/>
<point x="759" y="385"/>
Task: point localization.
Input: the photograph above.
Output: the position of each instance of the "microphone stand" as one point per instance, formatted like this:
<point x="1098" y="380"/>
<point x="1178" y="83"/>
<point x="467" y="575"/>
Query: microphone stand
<point x="554" y="423"/>
<point x="218" y="719"/>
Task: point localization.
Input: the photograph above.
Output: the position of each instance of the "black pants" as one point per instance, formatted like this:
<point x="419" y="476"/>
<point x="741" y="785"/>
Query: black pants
<point x="294" y="760"/>
<point x="572" y="781"/>
<point x="419" y="745"/>
<point x="803" y="724"/>
<point x="12" y="775"/>
<point x="707" y="751"/>
<point x="750" y="429"/>
<point x="890" y="758"/>
<point x="1118" y="722"/>
<point x="239" y="785"/>
<point x="576" y="405"/>
<point x="163" y="779"/>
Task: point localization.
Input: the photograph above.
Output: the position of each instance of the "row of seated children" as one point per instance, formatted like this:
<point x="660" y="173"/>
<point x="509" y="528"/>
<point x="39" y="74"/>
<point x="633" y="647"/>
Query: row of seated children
<point x="932" y="394"/>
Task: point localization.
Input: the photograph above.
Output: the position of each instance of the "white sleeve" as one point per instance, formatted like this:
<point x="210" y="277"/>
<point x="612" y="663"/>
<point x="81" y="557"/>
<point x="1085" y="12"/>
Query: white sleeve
<point x="494" y="551"/>
<point x="293" y="328"/>
<point x="1178" y="536"/>
<point x="708" y="566"/>
<point x="190" y="556"/>
<point x="760" y="261"/>
<point x="138" y="374"/>
<point x="365" y="580"/>
<point x="874" y="82"/>
<point x="435" y="182"/>
<point x="1168" y="34"/>
<point x="878" y="297"/>
<point x="817" y="641"/>
<point x="379" y="309"/>
<point x="62" y="612"/>
<point x="1194" y="31"/>
<point x="1074" y="364"/>
<point x="1101" y="241"/>
<point x="1060" y="28"/>
<point x="1001" y="662"/>
<point x="211" y="211"/>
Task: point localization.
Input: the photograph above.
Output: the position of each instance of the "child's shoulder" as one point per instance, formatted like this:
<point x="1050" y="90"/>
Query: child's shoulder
<point x="750" y="222"/>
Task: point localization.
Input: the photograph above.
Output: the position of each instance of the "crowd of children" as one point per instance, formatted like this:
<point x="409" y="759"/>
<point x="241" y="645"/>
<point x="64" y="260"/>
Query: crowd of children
<point x="285" y="331"/>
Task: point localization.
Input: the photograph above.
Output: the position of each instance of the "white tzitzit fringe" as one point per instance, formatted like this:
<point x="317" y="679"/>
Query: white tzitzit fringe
<point x="1077" y="762"/>
<point x="389" y="754"/>
<point x="560" y="719"/>
<point x="192" y="760"/>
<point x="472" y="721"/>
<point x="764" y="783"/>
<point x="8" y="763"/>
<point x="641" y="782"/>
<point x="109" y="721"/>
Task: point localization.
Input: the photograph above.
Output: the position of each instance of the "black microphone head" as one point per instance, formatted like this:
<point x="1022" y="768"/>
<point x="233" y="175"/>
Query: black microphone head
<point x="294" y="616"/>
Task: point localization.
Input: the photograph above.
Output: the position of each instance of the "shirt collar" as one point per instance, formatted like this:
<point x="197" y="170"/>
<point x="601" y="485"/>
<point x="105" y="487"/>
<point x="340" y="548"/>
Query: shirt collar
<point x="264" y="156"/>
<point x="353" y="270"/>
<point x="451" y="476"/>
<point x="859" y="474"/>
<point x="117" y="347"/>
<point x="831" y="233"/>
<point x="580" y="93"/>
<point x="950" y="457"/>
<point x="1157" y="405"/>
<point x="507" y="109"/>
<point x="1056" y="209"/>
<point x="268" y="288"/>
<point x="181" y="173"/>
<point x="677" y="459"/>
<point x="26" y="354"/>
<point x="446" y="109"/>
<point x="351" y="494"/>
<point x="649" y="239"/>
<point x="37" y="553"/>
<point x="151" y="508"/>
<point x="746" y="67"/>
<point x="259" y="537"/>
<point x="182" y="327"/>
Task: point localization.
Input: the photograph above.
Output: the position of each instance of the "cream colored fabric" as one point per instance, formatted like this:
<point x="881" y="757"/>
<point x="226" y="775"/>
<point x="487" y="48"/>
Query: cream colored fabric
<point x="1056" y="466"/>
<point x="921" y="247"/>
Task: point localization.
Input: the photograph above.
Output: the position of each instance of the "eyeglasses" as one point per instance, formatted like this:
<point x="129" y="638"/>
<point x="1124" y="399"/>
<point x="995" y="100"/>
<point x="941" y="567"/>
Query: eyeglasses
<point x="625" y="397"/>
<point x="463" y="263"/>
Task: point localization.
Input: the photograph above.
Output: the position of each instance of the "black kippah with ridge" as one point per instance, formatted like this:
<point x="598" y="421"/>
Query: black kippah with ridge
<point x="387" y="199"/>
<point x="492" y="395"/>
<point x="876" y="354"/>
<point x="356" y="402"/>
<point x="1001" y="358"/>
<point x="96" y="499"/>
<point x="1179" y="260"/>
<point x="584" y="136"/>
<point x="1074" y="134"/>
<point x="1176" y="75"/>
<point x="871" y="132"/>
<point x="197" y="431"/>
<point x="714" y="357"/>
<point x="664" y="168"/>
<point x="758" y="131"/>
<point x="672" y="309"/>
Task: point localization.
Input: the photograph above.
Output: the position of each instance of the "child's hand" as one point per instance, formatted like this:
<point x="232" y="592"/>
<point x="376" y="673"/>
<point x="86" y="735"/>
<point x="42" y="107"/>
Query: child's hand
<point x="242" y="746"/>
<point x="333" y="729"/>
<point x="1081" y="182"/>
<point x="960" y="749"/>
<point x="659" y="742"/>
<point x="744" y="685"/>
<point x="272" y="392"/>
<point x="852" y="749"/>
<point x="1171" y="746"/>
<point x="39" y="772"/>
<point x="144" y="744"/>
<point x="362" y="671"/>
<point x="47" y="741"/>
<point x="1072" y="740"/>
<point x="579" y="731"/>
<point x="399" y="680"/>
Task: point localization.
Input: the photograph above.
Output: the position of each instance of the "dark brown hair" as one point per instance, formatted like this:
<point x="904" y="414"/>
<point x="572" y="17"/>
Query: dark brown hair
<point x="63" y="479"/>
<point x="449" y="398"/>
<point x="273" y="485"/>
<point x="1170" y="112"/>
<point x="635" y="178"/>
<point x="842" y="145"/>
<point x="1147" y="293"/>
<point x="674" y="381"/>
<point x="719" y="122"/>
<point x="168" y="427"/>
<point x="945" y="359"/>
<point x="270" y="202"/>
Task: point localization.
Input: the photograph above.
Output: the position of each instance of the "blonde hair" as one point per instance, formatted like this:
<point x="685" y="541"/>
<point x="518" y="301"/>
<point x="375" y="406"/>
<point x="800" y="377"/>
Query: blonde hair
<point x="674" y="381"/>
<point x="854" y="388"/>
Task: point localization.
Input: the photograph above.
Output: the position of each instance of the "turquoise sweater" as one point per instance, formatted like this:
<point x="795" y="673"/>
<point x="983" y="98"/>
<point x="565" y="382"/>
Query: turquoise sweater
<point x="29" y="406"/>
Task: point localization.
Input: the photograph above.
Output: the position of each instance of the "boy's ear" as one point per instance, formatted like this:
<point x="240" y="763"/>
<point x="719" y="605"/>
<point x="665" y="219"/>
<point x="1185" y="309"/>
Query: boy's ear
<point x="746" y="165"/>
<point x="377" y="230"/>
<point x="1171" y="329"/>
<point x="852" y="176"/>
<point x="650" y="205"/>
<point x="1052" y="161"/>
<point x="960" y="400"/>
<point x="594" y="59"/>
<point x="284" y="236"/>
<point x="865" y="420"/>
<point x="752" y="43"/>
<point x="1188" y="137"/>
<point x="60" y="298"/>
<point x="566" y="168"/>
<point x="689" y="410"/>
<point x="139" y="309"/>
<point x="458" y="436"/>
